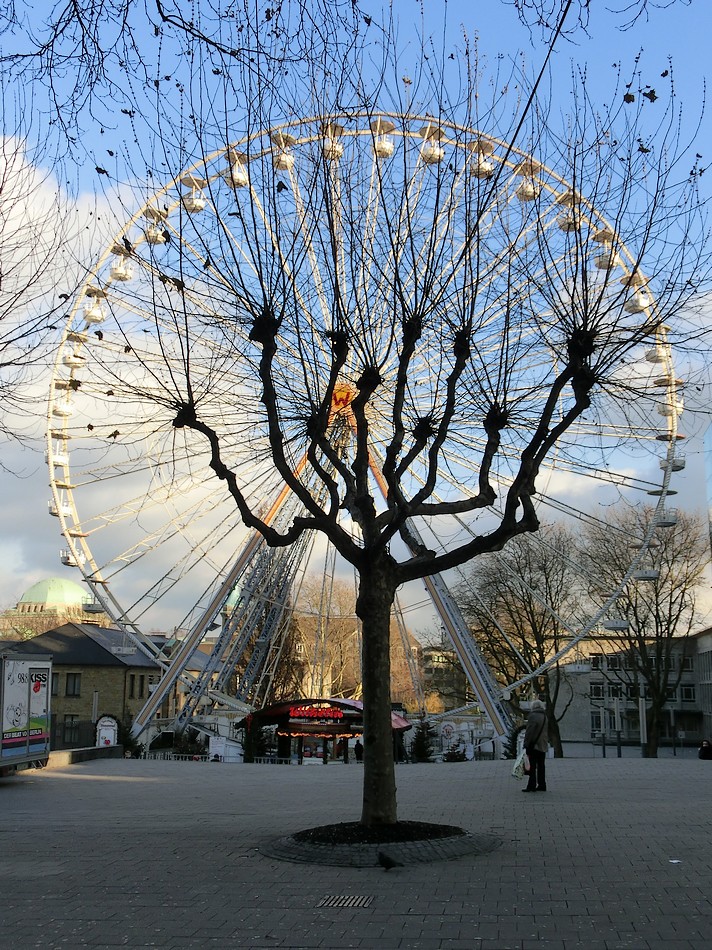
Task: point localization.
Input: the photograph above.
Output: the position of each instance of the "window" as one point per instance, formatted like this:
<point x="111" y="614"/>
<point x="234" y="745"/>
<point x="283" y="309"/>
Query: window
<point x="631" y="691"/>
<point x="670" y="695"/>
<point x="74" y="684"/>
<point x="596" y="661"/>
<point x="688" y="664"/>
<point x="141" y="686"/>
<point x="614" y="662"/>
<point x="299" y="648"/>
<point x="596" y="691"/>
<point x="71" y="729"/>
<point x="132" y="686"/>
<point x="614" y="692"/>
<point x="687" y="694"/>
<point x="55" y="684"/>
<point x="595" y="723"/>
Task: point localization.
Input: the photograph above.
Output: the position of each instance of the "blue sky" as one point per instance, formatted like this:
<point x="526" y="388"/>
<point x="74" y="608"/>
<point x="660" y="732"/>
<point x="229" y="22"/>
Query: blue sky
<point x="680" y="32"/>
<point x="30" y="541"/>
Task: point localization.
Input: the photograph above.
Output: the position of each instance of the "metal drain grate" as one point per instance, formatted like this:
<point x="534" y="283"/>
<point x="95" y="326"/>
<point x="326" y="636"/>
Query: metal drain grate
<point x="344" y="900"/>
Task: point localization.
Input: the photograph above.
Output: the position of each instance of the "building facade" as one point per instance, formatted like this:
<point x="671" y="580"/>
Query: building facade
<point x="95" y="673"/>
<point x="703" y="678"/>
<point x="444" y="680"/>
<point x="605" y="695"/>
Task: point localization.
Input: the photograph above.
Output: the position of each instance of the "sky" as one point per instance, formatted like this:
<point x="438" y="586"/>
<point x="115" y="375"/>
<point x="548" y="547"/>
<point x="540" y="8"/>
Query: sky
<point x="30" y="542"/>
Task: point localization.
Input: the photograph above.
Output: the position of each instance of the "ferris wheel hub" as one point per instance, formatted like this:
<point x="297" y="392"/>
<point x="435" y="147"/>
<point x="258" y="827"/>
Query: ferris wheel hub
<point x="342" y="397"/>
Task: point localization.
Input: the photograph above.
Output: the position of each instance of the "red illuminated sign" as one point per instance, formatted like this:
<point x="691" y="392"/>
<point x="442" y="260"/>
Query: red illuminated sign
<point x="315" y="712"/>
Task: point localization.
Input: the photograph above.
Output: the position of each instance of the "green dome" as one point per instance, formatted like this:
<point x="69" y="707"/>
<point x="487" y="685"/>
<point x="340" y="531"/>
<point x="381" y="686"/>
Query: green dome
<point x="55" y="591"/>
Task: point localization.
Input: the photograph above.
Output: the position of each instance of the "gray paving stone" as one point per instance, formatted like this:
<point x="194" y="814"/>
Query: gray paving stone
<point x="125" y="853"/>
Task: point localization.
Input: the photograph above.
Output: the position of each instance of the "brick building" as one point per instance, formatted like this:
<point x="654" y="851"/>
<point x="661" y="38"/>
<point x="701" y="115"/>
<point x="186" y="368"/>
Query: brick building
<point x="95" y="672"/>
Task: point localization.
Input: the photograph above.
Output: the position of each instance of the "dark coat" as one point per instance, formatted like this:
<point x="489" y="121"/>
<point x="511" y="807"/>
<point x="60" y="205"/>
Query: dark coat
<point x="537" y="725"/>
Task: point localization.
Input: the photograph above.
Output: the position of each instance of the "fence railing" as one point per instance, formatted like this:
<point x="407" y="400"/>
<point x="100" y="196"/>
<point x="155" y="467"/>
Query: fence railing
<point x="175" y="757"/>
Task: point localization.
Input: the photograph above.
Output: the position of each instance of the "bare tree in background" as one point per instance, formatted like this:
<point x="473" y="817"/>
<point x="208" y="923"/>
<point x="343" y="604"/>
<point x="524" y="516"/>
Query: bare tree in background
<point x="660" y="612"/>
<point x="523" y="603"/>
<point x="35" y="242"/>
<point x="331" y="635"/>
<point x="292" y="669"/>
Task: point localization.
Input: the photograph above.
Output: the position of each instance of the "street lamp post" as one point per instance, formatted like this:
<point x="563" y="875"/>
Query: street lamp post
<point x="617" y="715"/>
<point x="643" y="727"/>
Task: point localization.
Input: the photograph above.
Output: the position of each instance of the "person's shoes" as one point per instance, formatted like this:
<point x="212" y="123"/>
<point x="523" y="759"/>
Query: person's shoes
<point x="541" y="789"/>
<point x="528" y="789"/>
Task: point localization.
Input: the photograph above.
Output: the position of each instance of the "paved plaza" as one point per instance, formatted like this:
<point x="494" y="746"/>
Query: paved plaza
<point x="126" y="853"/>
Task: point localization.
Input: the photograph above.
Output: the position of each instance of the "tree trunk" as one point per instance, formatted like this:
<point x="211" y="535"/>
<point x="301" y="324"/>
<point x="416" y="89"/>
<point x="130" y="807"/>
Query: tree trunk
<point x="377" y="587"/>
<point x="555" y="738"/>
<point x="554" y="731"/>
<point x="653" y="723"/>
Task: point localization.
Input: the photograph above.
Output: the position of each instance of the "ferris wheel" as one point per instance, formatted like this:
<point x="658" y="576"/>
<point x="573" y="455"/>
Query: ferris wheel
<point x="352" y="218"/>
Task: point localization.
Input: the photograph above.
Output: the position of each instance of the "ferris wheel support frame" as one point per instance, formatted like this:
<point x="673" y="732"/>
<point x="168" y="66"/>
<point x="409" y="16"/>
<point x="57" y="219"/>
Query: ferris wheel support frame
<point x="182" y="655"/>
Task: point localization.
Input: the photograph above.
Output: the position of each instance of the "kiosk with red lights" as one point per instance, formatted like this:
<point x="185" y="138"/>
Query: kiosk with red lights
<point x="316" y="730"/>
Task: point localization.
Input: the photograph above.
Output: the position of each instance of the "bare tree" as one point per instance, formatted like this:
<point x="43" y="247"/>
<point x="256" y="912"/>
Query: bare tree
<point x="331" y="637"/>
<point x="89" y="57"/>
<point x="444" y="679"/>
<point x="523" y="603"/>
<point x="291" y="670"/>
<point x="377" y="318"/>
<point x="660" y="610"/>
<point x="572" y="15"/>
<point x="35" y="236"/>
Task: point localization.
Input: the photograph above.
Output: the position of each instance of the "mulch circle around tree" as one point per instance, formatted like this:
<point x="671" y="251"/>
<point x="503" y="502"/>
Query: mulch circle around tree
<point x="351" y="844"/>
<point x="353" y="832"/>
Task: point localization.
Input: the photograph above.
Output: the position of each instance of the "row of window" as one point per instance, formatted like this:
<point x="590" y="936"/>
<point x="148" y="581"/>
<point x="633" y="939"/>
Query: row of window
<point x="601" y="718"/>
<point x="630" y="691"/>
<point x="137" y="686"/>
<point x="596" y="720"/>
<point x="73" y="685"/>
<point x="624" y="661"/>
